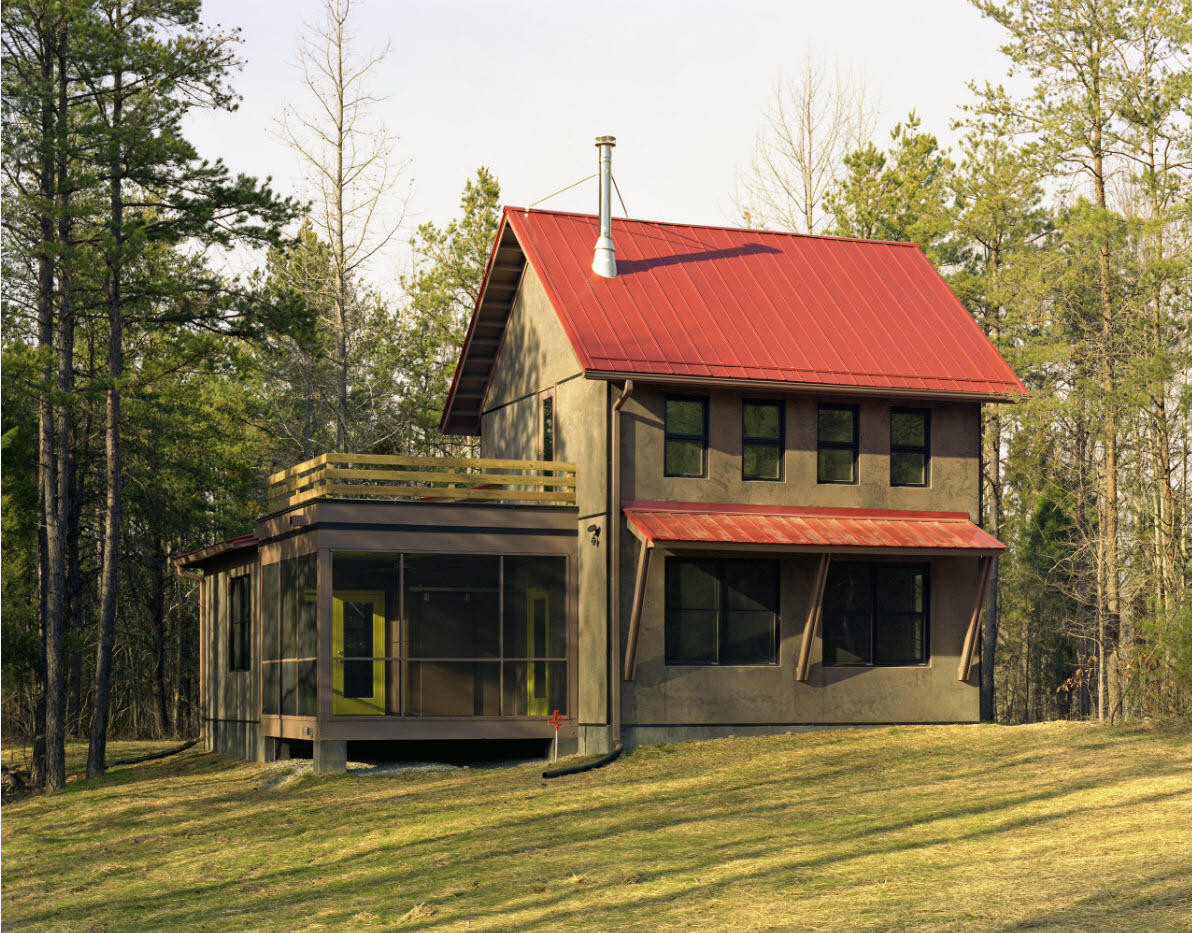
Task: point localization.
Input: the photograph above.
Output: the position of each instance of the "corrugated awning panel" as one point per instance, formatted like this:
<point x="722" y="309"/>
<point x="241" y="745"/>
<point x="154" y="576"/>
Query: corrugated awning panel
<point x="699" y="523"/>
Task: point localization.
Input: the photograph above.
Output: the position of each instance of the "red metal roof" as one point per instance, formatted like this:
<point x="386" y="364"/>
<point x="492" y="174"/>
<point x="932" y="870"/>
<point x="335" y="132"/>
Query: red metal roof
<point x="752" y="304"/>
<point x="698" y="523"/>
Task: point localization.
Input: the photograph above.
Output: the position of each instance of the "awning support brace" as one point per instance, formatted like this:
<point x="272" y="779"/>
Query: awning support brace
<point x="635" y="614"/>
<point x="968" y="653"/>
<point x="814" y="612"/>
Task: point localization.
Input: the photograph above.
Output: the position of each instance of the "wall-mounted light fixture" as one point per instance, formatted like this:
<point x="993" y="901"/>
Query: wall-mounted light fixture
<point x="594" y="531"/>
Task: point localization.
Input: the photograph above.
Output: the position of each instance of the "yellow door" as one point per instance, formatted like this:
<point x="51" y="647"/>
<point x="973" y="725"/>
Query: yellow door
<point x="538" y="638"/>
<point x="358" y="632"/>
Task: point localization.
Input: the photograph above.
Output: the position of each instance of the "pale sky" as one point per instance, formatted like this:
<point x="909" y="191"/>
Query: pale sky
<point x="523" y="86"/>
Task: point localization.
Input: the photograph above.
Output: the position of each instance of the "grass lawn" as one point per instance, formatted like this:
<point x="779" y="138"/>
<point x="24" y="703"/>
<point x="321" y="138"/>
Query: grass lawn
<point x="1048" y="827"/>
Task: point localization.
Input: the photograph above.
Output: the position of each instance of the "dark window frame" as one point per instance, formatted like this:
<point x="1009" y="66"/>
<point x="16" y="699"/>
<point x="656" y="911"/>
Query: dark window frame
<point x="925" y="450"/>
<point x="875" y="567"/>
<point x="779" y="442"/>
<point x="723" y="611"/>
<point x="854" y="445"/>
<point x="240" y="614"/>
<point x="668" y="435"/>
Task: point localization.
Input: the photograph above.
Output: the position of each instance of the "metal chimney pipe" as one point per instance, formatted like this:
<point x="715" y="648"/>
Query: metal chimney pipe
<point x="604" y="263"/>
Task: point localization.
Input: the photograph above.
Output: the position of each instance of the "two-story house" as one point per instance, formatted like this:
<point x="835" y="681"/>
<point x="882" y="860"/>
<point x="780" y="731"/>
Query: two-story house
<point x="728" y="483"/>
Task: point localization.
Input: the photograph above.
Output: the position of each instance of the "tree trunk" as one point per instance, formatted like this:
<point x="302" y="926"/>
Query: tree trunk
<point x="54" y="462"/>
<point x="157" y="619"/>
<point x="110" y="574"/>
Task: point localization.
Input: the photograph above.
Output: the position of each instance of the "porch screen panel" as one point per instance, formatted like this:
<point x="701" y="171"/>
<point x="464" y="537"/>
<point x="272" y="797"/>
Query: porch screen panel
<point x="453" y="688"/>
<point x="453" y="606"/>
<point x="308" y="606"/>
<point x="289" y="608"/>
<point x="535" y="635"/>
<point x="465" y="635"/>
<point x="290" y="617"/>
<point x="365" y="600"/>
<point x="270" y="612"/>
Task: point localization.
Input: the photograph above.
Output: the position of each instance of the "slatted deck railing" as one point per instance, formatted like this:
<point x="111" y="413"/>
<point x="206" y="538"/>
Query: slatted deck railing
<point x="377" y="476"/>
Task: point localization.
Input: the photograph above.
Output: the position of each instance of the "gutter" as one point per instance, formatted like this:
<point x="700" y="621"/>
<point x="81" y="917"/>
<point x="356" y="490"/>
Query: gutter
<point x="614" y="577"/>
<point x="811" y="388"/>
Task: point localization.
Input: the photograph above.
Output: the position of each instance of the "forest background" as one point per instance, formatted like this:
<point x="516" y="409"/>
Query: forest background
<point x="148" y="389"/>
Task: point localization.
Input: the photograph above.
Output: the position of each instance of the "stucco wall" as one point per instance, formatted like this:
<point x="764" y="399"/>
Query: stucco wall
<point x="955" y="445"/>
<point x="535" y="352"/>
<point x="770" y="694"/>
<point x="762" y="694"/>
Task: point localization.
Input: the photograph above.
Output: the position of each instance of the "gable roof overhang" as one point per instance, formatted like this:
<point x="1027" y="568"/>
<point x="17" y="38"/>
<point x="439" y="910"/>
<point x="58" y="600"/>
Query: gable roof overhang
<point x="201" y="555"/>
<point x="502" y="279"/>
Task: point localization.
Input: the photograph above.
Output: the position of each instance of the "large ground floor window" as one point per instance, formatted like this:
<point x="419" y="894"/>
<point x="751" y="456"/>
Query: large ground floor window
<point x="448" y="635"/>
<point x="721" y="611"/>
<point x="875" y="614"/>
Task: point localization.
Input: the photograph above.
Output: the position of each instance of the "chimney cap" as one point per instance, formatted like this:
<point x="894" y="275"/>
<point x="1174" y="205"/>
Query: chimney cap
<point x="606" y="140"/>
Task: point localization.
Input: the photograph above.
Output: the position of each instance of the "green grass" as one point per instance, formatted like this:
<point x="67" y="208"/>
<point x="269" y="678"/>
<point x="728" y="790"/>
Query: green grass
<point x="1049" y="827"/>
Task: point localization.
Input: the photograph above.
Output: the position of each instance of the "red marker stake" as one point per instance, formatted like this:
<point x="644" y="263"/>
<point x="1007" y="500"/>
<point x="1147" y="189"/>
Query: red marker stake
<point x="556" y="720"/>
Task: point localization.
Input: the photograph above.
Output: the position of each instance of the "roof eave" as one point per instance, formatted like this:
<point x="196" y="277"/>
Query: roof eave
<point x="818" y="388"/>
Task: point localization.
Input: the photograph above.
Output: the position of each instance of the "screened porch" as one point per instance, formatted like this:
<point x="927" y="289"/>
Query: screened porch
<point x="391" y="609"/>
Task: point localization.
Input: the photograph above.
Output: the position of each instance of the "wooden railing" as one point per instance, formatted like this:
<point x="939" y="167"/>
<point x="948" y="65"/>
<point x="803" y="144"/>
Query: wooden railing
<point x="376" y="476"/>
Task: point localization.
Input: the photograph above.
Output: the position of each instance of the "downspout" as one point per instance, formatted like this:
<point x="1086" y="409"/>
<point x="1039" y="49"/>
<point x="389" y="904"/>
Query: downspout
<point x="614" y="628"/>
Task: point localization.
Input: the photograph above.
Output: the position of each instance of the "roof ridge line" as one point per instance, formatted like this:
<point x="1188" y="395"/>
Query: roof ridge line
<point x="736" y="229"/>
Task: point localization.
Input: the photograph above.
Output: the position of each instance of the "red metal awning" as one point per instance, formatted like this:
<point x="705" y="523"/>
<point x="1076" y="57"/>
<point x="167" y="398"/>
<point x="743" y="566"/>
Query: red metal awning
<point x="806" y="528"/>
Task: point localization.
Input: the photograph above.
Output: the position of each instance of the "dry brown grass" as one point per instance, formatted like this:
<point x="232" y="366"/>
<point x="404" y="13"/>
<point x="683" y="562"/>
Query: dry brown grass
<point x="1049" y="827"/>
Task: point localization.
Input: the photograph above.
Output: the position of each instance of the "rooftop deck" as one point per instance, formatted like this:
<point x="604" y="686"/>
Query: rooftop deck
<point x="425" y="479"/>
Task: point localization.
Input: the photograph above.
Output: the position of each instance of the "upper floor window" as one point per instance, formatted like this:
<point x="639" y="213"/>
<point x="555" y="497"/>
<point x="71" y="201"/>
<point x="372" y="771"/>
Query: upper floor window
<point x="837" y="444"/>
<point x="686" y="435"/>
<point x="875" y="614"/>
<point x="721" y="611"/>
<point x="239" y="623"/>
<point x="910" y="443"/>
<point x="762" y="441"/>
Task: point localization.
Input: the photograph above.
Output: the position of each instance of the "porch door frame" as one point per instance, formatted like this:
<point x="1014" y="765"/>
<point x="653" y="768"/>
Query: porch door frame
<point x="358" y="706"/>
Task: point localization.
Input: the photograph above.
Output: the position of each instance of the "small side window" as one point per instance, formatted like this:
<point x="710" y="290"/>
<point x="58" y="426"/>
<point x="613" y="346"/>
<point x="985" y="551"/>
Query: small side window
<point x="240" y="623"/>
<point x="686" y="436"/>
<point x="548" y="428"/>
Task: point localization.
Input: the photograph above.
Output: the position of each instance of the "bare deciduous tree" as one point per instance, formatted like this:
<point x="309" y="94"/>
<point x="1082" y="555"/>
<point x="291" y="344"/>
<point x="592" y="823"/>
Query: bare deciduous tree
<point x="811" y="124"/>
<point x="348" y="159"/>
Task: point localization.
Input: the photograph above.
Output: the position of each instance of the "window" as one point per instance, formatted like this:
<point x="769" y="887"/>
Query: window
<point x="239" y="623"/>
<point x="875" y="614"/>
<point x="548" y="428"/>
<point x="837" y="461"/>
<point x="686" y="435"/>
<point x="721" y="611"/>
<point x="910" y="441"/>
<point x="762" y="442"/>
